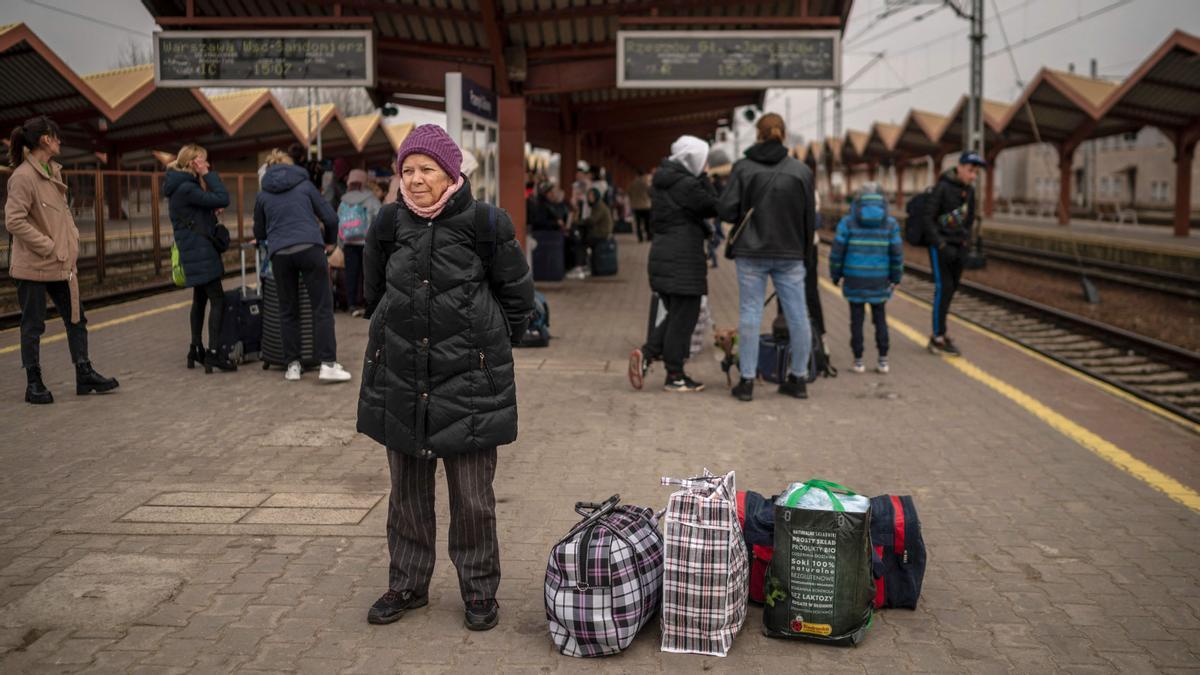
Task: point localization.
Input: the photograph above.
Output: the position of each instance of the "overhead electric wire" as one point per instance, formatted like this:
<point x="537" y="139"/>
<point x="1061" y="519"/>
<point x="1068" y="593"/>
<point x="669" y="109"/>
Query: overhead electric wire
<point x="1027" y="40"/>
<point x="92" y="19"/>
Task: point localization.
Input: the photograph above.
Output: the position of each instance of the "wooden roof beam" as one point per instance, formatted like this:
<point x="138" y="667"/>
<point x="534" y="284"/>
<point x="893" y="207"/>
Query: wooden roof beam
<point x="627" y="8"/>
<point x="394" y="8"/>
<point x="495" y="39"/>
<point x="263" y="21"/>
<point x="559" y="78"/>
<point x="762" y="21"/>
<point x="432" y="50"/>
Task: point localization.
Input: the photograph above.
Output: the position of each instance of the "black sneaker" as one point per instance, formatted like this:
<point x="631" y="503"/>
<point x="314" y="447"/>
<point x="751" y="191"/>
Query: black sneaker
<point x="682" y="383"/>
<point x="794" y="386"/>
<point x="744" y="390"/>
<point x="393" y="604"/>
<point x="482" y="614"/>
<point x="950" y="348"/>
<point x="936" y="345"/>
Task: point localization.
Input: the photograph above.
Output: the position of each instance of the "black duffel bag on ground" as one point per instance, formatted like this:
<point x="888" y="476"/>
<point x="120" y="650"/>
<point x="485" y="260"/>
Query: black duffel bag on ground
<point x="820" y="586"/>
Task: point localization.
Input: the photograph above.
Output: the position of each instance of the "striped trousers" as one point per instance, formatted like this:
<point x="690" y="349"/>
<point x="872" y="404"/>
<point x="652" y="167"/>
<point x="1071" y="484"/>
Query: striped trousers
<point x="412" y="525"/>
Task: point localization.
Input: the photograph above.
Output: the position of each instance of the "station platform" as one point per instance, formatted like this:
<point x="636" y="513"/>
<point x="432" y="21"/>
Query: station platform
<point x="197" y="523"/>
<point x="1149" y="246"/>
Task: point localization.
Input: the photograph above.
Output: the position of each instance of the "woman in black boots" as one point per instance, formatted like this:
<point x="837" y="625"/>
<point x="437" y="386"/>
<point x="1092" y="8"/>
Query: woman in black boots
<point x="45" y="246"/>
<point x="196" y="196"/>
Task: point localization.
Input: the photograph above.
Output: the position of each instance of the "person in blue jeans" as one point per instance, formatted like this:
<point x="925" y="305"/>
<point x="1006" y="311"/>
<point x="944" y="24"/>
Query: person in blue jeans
<point x="774" y="243"/>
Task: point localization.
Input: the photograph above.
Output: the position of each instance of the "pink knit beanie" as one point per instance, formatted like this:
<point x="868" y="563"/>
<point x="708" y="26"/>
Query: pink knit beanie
<point x="433" y="141"/>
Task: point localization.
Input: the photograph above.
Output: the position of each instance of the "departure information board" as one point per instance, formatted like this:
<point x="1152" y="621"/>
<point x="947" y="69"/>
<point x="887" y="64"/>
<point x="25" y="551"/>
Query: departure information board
<point x="344" y="58"/>
<point x="728" y="59"/>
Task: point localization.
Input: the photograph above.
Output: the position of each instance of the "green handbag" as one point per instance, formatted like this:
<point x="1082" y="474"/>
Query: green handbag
<point x="177" y="274"/>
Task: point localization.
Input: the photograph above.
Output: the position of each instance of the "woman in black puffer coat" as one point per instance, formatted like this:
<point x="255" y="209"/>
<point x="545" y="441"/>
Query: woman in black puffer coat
<point x="447" y="286"/>
<point x="195" y="196"/>
<point x="681" y="197"/>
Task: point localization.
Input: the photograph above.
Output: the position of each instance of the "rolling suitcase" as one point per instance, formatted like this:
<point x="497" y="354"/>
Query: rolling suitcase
<point x="548" y="260"/>
<point x="271" y="350"/>
<point x="241" y="322"/>
<point x="604" y="258"/>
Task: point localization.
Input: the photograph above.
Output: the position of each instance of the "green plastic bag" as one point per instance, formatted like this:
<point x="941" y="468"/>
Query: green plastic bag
<point x="819" y="585"/>
<point x="177" y="274"/>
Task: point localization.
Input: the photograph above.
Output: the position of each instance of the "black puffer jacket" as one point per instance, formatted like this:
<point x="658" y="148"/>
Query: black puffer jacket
<point x="950" y="210"/>
<point x="438" y="378"/>
<point x="680" y="202"/>
<point x="784" y="213"/>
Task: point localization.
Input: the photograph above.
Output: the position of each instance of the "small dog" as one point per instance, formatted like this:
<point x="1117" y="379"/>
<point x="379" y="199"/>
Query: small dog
<point x="726" y="340"/>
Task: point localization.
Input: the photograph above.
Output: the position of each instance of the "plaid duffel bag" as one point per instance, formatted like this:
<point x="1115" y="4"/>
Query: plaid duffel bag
<point x="604" y="579"/>
<point x="705" y="567"/>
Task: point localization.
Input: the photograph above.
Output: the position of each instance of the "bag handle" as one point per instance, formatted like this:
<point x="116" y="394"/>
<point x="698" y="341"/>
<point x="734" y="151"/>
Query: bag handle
<point x="593" y="512"/>
<point x="588" y="509"/>
<point x="828" y="486"/>
<point x="693" y="483"/>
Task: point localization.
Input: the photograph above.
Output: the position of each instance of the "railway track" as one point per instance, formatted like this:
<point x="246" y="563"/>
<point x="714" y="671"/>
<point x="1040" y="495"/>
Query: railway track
<point x="1180" y="285"/>
<point x="1156" y="372"/>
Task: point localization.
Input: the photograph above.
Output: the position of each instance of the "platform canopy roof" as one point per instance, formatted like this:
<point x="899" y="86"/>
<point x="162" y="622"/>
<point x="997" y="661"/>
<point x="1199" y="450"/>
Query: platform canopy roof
<point x="147" y="116"/>
<point x="559" y="54"/>
<point x="919" y="134"/>
<point x="951" y="136"/>
<point x="881" y="142"/>
<point x="35" y="81"/>
<point x="1164" y="91"/>
<point x="854" y="144"/>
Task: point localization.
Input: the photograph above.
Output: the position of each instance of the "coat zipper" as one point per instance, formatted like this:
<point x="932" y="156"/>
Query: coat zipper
<point x="488" y="371"/>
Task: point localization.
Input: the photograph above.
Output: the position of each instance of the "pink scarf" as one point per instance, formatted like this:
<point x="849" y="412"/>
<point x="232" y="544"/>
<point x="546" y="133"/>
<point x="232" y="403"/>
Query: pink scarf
<point x="431" y="212"/>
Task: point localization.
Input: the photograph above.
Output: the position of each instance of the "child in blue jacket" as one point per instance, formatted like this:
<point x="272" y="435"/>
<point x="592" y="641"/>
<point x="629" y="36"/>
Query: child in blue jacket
<point x="868" y="257"/>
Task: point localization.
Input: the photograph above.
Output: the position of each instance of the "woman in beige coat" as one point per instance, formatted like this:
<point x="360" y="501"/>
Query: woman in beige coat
<point x="45" y="246"/>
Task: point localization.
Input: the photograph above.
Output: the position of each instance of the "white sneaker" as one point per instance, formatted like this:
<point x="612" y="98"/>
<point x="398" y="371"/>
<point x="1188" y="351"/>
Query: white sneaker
<point x="882" y="368"/>
<point x="293" y="372"/>
<point x="333" y="372"/>
<point x="858" y="366"/>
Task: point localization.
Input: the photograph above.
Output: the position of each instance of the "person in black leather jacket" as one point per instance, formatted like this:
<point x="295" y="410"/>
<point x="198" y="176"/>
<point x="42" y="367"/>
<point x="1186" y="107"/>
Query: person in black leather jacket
<point x="949" y="217"/>
<point x="775" y="243"/>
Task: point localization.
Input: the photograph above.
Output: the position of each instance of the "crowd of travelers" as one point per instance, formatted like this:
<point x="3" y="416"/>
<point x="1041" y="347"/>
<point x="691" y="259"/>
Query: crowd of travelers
<point x="447" y="290"/>
<point x="769" y="198"/>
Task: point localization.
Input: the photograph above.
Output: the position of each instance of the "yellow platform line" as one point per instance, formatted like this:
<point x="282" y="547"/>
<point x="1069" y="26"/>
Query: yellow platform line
<point x="92" y="328"/>
<point x="1084" y="377"/>
<point x="1106" y="450"/>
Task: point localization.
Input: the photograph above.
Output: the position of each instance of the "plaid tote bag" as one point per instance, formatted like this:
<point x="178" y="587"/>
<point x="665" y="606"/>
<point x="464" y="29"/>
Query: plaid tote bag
<point x="705" y="567"/>
<point x="603" y="580"/>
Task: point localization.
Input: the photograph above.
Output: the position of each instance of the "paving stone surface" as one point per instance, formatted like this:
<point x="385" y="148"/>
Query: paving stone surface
<point x="1042" y="556"/>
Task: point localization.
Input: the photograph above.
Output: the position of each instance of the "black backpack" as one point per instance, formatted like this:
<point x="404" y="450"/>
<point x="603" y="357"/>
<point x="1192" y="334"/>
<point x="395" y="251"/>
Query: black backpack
<point x="914" y="225"/>
<point x="898" y="551"/>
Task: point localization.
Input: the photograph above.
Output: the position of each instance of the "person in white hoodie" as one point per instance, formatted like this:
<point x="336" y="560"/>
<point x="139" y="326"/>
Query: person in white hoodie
<point x="356" y="213"/>
<point x="682" y="199"/>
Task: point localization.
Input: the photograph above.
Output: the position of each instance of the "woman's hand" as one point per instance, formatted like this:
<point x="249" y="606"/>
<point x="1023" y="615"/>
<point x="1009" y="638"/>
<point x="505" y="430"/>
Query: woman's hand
<point x="200" y="166"/>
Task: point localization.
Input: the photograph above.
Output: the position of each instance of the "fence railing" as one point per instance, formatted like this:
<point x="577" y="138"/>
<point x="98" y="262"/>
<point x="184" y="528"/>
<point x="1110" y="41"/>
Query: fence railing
<point x="124" y="218"/>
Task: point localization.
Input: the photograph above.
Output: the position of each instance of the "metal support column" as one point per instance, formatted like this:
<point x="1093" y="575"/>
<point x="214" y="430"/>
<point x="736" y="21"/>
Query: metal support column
<point x="975" y="132"/>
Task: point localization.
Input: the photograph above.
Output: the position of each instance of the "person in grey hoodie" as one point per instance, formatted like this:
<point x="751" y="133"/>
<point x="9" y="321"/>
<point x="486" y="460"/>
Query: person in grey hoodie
<point x="285" y="216"/>
<point x="355" y="214"/>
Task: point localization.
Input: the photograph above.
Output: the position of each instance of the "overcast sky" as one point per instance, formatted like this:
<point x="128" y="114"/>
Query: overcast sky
<point x="90" y="35"/>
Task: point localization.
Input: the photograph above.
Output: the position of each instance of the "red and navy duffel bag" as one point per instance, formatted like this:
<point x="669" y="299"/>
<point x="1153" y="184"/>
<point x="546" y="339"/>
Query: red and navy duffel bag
<point x="899" y="551"/>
